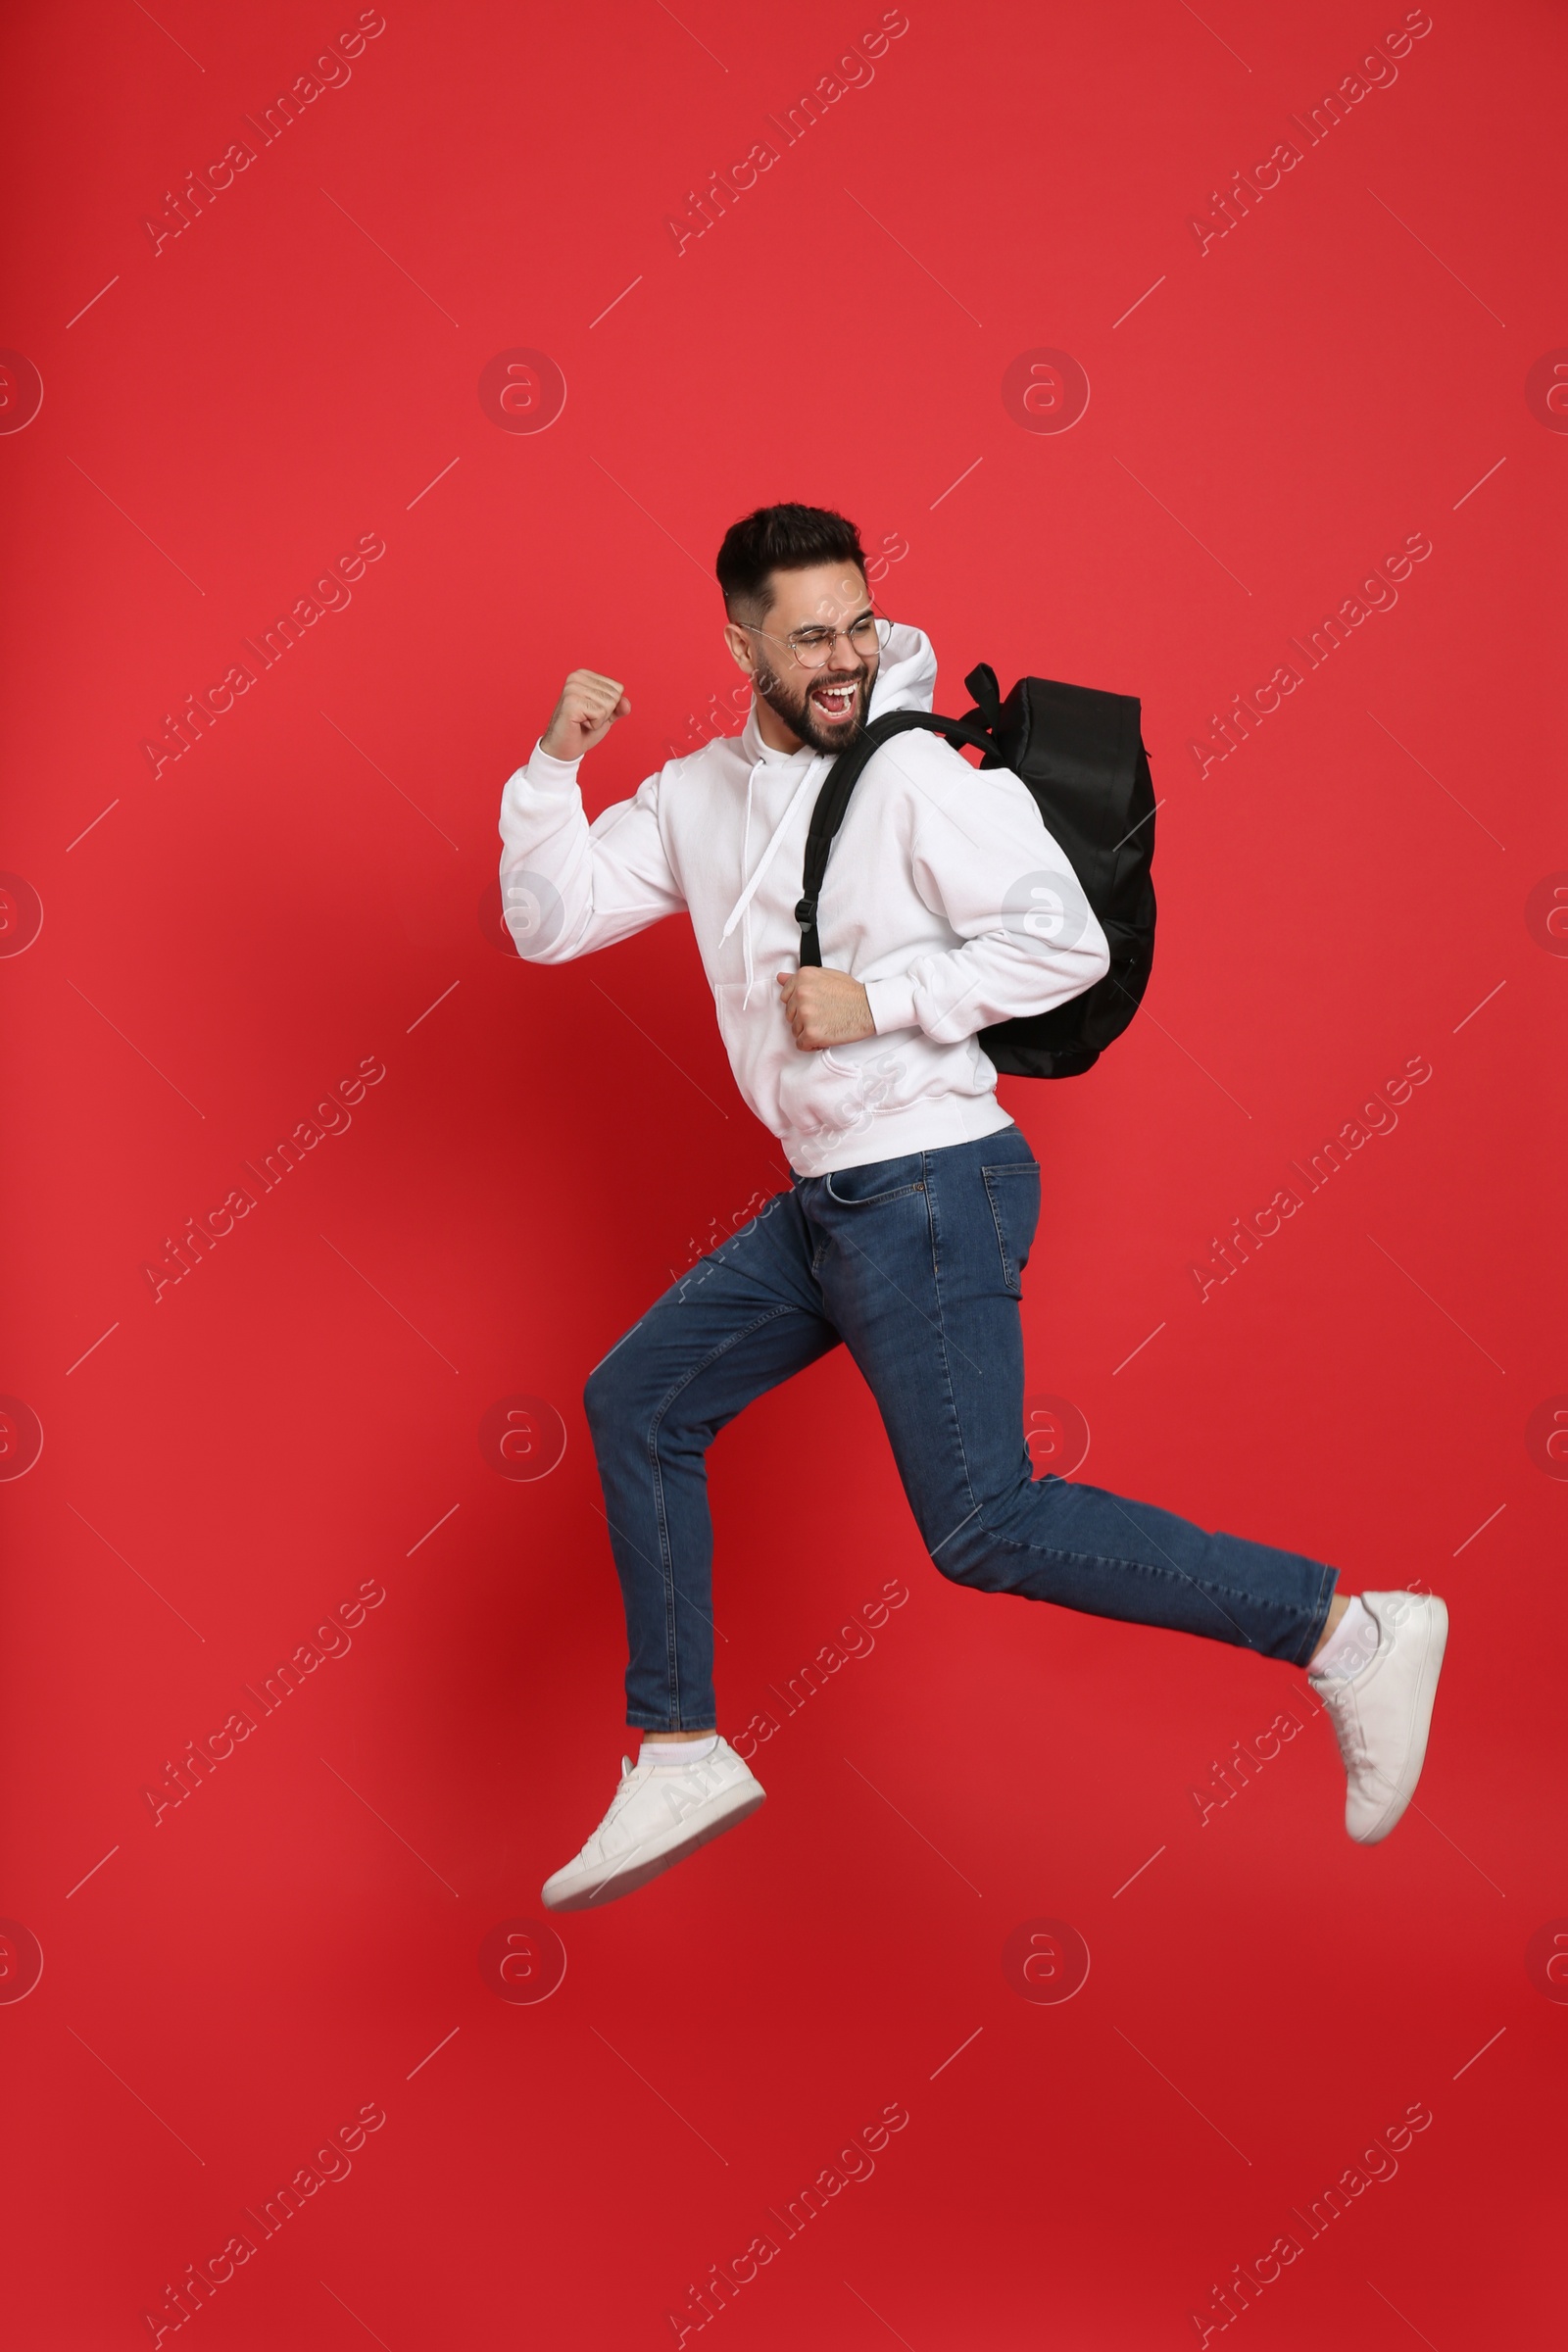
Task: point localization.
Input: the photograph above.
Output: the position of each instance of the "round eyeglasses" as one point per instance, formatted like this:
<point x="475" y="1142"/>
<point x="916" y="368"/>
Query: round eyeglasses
<point x="812" y="647"/>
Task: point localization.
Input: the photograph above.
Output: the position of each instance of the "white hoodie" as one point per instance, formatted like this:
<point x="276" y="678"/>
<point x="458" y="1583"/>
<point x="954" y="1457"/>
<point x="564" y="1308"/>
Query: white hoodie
<point x="945" y="896"/>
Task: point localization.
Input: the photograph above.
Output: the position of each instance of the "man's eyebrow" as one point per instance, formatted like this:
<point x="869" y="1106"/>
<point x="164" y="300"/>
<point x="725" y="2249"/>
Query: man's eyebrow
<point x="865" y="614"/>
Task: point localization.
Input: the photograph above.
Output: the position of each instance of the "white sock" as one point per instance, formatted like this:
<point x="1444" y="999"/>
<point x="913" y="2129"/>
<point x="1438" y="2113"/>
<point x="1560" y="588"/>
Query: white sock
<point x="672" y="1755"/>
<point x="1352" y="1644"/>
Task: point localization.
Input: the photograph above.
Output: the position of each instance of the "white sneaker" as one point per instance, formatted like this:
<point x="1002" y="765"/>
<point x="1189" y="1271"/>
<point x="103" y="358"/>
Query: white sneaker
<point x="1381" y="1712"/>
<point x="657" y="1816"/>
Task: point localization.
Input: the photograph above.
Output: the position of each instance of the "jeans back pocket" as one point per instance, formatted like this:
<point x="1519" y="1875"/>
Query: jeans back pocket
<point x="1013" y="1191"/>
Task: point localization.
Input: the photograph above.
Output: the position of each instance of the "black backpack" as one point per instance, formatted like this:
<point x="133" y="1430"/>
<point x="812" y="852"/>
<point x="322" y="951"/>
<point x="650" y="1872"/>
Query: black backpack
<point x="1081" y="754"/>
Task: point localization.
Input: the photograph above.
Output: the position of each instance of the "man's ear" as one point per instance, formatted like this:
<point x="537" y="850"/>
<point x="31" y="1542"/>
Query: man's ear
<point x="740" y="645"/>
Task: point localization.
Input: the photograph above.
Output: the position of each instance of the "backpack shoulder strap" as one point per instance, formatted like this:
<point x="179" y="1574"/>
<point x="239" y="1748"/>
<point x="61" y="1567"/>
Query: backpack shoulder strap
<point x="834" y="799"/>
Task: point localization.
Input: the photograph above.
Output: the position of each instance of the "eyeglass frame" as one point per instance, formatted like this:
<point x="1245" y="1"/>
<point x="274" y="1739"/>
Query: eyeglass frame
<point x="870" y="613"/>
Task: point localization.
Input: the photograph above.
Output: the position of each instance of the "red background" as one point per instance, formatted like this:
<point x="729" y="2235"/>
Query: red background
<point x="223" y="416"/>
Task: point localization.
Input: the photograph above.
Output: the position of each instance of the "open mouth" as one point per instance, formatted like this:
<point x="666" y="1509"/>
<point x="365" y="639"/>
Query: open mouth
<point x="836" y="701"/>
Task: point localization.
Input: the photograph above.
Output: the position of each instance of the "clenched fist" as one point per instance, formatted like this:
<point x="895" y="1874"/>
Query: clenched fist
<point x="825" y="1008"/>
<point x="588" y="708"/>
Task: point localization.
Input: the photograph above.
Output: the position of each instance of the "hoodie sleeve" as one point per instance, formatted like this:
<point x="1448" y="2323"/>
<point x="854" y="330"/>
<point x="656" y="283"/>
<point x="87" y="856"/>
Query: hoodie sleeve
<point x="982" y="861"/>
<point x="568" y="887"/>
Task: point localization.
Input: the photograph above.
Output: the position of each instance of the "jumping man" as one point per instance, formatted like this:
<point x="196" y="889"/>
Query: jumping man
<point x="908" y="1225"/>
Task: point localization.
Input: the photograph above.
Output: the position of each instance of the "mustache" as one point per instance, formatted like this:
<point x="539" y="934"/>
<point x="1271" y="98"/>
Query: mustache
<point x="772" y="677"/>
<point x="785" y="694"/>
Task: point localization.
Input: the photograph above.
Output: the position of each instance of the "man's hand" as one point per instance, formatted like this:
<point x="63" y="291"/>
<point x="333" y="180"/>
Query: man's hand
<point x="825" y="1008"/>
<point x="588" y="708"/>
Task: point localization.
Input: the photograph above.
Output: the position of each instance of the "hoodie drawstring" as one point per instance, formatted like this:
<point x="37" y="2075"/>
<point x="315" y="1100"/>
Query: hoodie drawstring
<point x="746" y="851"/>
<point x="743" y="903"/>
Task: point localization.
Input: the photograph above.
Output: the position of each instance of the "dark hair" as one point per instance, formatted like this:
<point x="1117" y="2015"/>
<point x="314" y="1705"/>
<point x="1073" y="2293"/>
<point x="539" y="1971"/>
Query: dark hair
<point x="786" y="538"/>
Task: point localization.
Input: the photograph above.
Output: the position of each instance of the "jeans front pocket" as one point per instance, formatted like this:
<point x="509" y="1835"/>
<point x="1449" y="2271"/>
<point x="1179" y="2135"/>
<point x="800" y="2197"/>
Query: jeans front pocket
<point x="869" y="1212"/>
<point x="876" y="1179"/>
<point x="1013" y="1191"/>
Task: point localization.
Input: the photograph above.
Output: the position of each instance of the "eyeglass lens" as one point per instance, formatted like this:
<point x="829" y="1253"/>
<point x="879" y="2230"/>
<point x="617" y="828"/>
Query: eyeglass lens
<point x="812" y="647"/>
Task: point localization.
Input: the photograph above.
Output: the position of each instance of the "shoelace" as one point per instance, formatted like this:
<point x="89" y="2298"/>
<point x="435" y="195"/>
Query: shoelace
<point x="623" y="1792"/>
<point x="1338" y="1704"/>
<point x="1359" y="1763"/>
<point x="617" y="1804"/>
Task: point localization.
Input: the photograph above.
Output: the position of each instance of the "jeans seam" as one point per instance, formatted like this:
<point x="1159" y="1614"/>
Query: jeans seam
<point x="1208" y="1588"/>
<point x="941" y="1335"/>
<point x="1320" y="1610"/>
<point x="667" y="1561"/>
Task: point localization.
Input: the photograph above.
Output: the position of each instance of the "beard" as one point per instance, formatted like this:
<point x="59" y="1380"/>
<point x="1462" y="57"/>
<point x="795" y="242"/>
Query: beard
<point x="793" y="705"/>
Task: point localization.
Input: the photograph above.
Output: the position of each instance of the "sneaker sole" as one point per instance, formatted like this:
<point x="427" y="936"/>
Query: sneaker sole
<point x="1426" y="1691"/>
<point x="661" y="1854"/>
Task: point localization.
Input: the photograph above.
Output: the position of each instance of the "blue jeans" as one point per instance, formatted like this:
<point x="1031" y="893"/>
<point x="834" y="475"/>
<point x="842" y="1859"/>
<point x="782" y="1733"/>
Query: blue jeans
<point x="914" y="1264"/>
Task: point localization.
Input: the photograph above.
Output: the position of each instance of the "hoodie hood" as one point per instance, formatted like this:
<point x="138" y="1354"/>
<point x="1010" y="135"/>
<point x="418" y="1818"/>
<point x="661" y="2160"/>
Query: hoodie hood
<point x="907" y="676"/>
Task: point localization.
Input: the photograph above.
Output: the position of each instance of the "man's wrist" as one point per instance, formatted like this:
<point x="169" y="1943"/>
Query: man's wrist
<point x="540" y="758"/>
